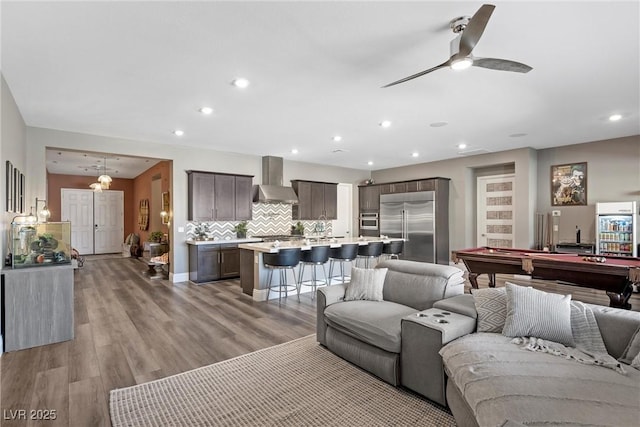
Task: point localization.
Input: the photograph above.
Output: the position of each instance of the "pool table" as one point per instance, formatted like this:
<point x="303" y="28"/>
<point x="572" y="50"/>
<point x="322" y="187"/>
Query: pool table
<point x="616" y="275"/>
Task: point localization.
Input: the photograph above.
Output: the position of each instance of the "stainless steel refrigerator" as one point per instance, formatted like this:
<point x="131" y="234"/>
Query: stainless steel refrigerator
<point x="411" y="216"/>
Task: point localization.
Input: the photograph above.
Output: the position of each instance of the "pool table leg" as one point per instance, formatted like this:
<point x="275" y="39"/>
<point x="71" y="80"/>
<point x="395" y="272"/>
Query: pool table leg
<point x="621" y="300"/>
<point x="492" y="280"/>
<point x="473" y="278"/>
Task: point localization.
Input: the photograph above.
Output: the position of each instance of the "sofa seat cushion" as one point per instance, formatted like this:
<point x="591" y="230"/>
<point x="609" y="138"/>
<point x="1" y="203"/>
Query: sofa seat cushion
<point x="501" y="381"/>
<point x="373" y="322"/>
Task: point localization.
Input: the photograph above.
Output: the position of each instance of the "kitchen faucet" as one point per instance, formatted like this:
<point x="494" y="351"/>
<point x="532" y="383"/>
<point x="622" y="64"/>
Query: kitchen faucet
<point x="321" y="225"/>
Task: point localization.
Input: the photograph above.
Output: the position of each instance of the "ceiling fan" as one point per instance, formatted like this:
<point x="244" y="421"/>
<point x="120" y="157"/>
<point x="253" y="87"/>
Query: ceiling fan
<point x="469" y="31"/>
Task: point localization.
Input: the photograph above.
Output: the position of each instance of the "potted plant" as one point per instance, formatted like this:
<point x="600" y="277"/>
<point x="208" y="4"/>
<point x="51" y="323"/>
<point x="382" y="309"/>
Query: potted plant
<point x="241" y="229"/>
<point x="156" y="236"/>
<point x="298" y="229"/>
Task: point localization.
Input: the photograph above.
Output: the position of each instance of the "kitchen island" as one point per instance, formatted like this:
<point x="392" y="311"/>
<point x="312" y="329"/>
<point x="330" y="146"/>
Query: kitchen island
<point x="253" y="273"/>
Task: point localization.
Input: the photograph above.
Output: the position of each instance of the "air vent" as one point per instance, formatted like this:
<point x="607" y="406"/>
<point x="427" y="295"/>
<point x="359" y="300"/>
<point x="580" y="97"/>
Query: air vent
<point x="339" y="150"/>
<point x="474" y="152"/>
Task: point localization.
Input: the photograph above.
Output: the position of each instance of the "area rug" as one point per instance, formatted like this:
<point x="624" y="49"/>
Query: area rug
<point x="298" y="383"/>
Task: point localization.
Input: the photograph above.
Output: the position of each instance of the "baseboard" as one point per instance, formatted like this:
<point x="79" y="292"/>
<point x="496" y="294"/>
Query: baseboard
<point x="178" y="277"/>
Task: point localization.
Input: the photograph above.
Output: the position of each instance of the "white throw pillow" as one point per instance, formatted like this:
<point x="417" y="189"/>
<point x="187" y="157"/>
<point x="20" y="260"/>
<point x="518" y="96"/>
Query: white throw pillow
<point x="366" y="283"/>
<point x="534" y="313"/>
<point x="491" y="305"/>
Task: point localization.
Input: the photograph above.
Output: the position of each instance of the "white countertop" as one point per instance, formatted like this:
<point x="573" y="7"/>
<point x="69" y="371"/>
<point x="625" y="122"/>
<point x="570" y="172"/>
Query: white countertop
<point x="222" y="241"/>
<point x="334" y="243"/>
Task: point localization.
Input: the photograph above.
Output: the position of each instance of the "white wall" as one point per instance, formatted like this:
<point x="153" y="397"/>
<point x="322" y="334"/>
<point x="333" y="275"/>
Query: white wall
<point x="13" y="147"/>
<point x="184" y="158"/>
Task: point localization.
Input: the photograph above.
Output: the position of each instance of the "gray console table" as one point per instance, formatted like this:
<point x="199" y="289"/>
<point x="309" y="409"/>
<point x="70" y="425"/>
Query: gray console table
<point x="38" y="306"/>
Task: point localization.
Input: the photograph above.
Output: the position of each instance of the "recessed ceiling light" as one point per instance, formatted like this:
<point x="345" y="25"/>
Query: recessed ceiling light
<point x="294" y="151"/>
<point x="337" y="138"/>
<point x="240" y="82"/>
<point x="462" y="146"/>
<point x="370" y="163"/>
<point x="615" y="117"/>
<point x="415" y="154"/>
<point x="438" y="124"/>
<point x="178" y="132"/>
<point x="385" y="124"/>
<point x="206" y="110"/>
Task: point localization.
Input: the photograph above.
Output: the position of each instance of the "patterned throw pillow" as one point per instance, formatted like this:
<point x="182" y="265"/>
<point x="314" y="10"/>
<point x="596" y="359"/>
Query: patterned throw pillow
<point x="366" y="283"/>
<point x="491" y="305"/>
<point x="534" y="313"/>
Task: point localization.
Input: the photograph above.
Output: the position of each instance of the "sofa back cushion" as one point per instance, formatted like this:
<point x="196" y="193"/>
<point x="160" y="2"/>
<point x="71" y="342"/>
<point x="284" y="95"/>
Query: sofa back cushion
<point x="420" y="284"/>
<point x="617" y="327"/>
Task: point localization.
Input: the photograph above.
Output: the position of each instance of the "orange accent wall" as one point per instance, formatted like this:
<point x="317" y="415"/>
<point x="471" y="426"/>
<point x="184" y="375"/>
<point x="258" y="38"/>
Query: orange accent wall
<point x="55" y="182"/>
<point x="142" y="190"/>
<point x="134" y="190"/>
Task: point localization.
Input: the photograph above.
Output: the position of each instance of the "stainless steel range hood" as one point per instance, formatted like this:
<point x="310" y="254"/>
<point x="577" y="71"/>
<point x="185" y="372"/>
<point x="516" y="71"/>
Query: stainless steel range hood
<point x="271" y="190"/>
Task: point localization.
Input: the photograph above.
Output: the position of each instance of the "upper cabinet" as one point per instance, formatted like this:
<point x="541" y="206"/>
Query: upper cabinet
<point x="315" y="199"/>
<point x="219" y="197"/>
<point x="369" y="196"/>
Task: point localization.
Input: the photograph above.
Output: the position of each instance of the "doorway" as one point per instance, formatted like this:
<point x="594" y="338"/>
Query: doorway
<point x="97" y="219"/>
<point x="496" y="209"/>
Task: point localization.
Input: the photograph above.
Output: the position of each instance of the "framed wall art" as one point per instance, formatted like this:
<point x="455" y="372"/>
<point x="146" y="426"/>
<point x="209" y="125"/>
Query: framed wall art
<point x="569" y="184"/>
<point x="9" y="187"/>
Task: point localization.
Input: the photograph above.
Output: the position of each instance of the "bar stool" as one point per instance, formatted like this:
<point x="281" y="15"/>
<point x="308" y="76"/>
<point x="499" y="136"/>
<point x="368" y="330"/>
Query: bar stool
<point x="392" y="250"/>
<point x="345" y="253"/>
<point x="315" y="257"/>
<point x="283" y="260"/>
<point x="369" y="252"/>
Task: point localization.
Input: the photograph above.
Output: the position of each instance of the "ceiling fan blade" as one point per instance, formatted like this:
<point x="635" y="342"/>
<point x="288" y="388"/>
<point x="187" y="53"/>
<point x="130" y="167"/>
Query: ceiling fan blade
<point x="501" y="65"/>
<point x="474" y="29"/>
<point x="421" y="73"/>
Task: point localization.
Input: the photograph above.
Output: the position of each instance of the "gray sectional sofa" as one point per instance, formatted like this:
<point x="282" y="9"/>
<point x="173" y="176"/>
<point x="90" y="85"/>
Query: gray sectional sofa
<point x="367" y="333"/>
<point x="424" y="337"/>
<point x="494" y="382"/>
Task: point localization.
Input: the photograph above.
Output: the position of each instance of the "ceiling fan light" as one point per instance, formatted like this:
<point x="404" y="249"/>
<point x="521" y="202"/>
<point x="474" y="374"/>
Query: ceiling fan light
<point x="96" y="187"/>
<point x="462" y="64"/>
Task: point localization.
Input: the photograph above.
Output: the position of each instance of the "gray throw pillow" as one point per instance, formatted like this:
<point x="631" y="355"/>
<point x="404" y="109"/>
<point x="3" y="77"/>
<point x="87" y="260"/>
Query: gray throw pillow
<point x="491" y="305"/>
<point x="633" y="349"/>
<point x="365" y="284"/>
<point x="534" y="313"/>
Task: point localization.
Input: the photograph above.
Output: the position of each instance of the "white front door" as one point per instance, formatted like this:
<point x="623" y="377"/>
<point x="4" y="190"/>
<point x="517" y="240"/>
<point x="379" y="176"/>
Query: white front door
<point x="495" y="200"/>
<point x="77" y="207"/>
<point x="109" y="221"/>
<point x="342" y="225"/>
<point x="97" y="220"/>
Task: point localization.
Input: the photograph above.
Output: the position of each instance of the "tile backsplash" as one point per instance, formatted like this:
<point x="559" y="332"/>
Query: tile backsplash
<point x="268" y="218"/>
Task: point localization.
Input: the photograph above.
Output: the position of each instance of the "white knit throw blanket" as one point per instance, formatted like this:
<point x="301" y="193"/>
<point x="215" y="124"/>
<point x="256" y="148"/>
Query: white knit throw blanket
<point x="589" y="349"/>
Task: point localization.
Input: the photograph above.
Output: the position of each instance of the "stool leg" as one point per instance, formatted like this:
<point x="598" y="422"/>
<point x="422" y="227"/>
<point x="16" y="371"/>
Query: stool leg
<point x="270" y="277"/>
<point x="342" y="270"/>
<point x="327" y="282"/>
<point x="300" y="275"/>
<point x="331" y="261"/>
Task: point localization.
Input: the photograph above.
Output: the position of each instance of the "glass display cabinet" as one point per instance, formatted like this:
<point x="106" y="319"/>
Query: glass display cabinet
<point x="41" y="244"/>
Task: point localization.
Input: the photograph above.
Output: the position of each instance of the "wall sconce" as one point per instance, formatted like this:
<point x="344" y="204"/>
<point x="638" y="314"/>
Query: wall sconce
<point x="44" y="212"/>
<point x="30" y="219"/>
<point x="164" y="213"/>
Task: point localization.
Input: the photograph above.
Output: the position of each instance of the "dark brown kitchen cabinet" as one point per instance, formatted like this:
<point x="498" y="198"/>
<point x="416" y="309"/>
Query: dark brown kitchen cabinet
<point x="394" y="187"/>
<point x="213" y="262"/>
<point x="229" y="262"/>
<point x="315" y="199"/>
<point x="218" y="197"/>
<point x="369" y="196"/>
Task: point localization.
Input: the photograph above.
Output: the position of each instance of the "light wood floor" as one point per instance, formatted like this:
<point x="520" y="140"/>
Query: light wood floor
<point x="130" y="330"/>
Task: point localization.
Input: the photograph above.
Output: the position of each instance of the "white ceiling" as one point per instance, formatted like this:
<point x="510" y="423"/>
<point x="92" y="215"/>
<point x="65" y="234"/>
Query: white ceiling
<point x="139" y="70"/>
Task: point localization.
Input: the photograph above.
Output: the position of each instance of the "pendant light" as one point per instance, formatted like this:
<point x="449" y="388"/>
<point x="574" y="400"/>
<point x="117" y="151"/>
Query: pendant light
<point x="104" y="179"/>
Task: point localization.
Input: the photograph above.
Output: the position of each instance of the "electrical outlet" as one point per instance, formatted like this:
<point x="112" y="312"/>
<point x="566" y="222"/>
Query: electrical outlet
<point x="180" y="229"/>
<point x="555" y="227"/>
<point x="556" y="213"/>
